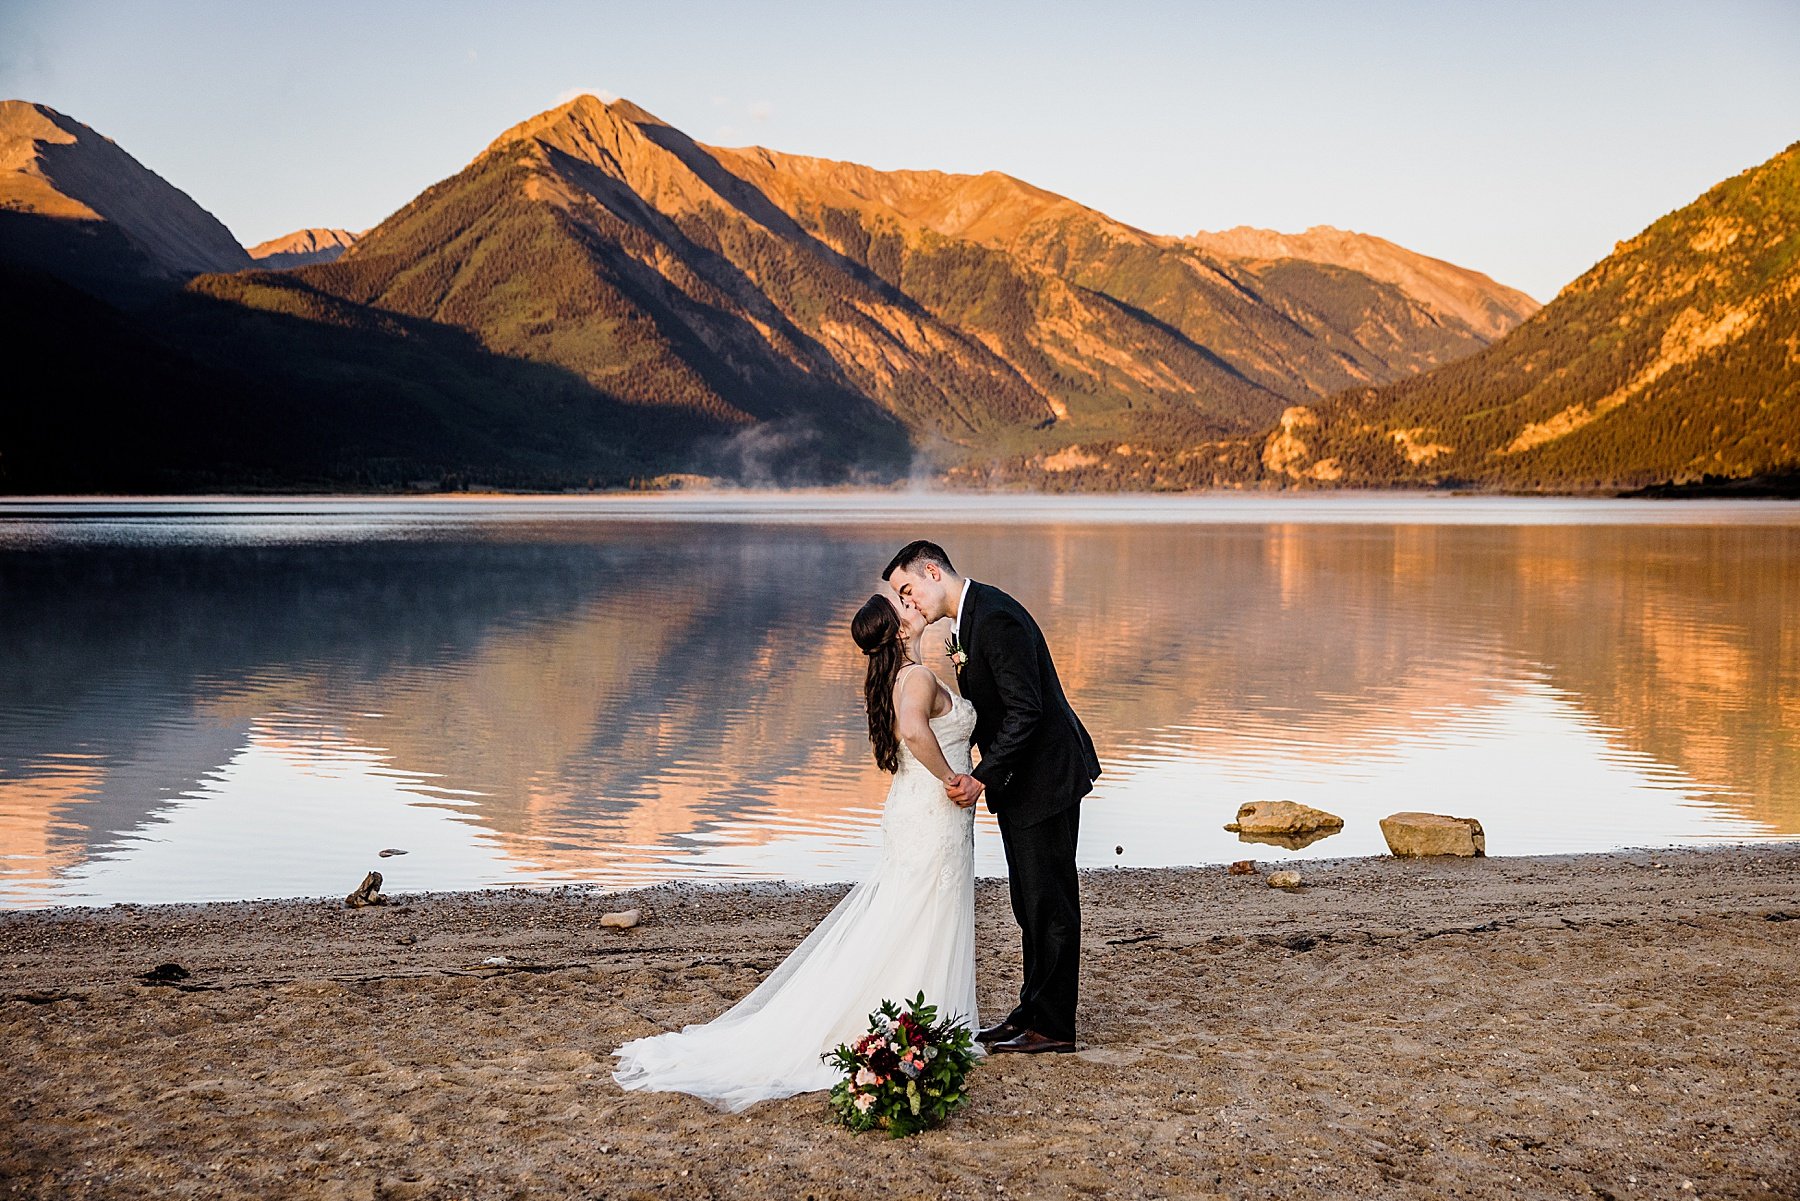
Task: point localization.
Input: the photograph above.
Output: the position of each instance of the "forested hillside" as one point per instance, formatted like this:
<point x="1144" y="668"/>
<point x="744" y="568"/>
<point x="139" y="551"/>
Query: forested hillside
<point x="1676" y="358"/>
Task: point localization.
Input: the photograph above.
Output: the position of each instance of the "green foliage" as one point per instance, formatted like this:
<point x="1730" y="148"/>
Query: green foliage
<point x="907" y="1074"/>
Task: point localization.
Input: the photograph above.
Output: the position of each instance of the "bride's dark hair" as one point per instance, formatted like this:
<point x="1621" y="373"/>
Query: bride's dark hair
<point x="876" y="628"/>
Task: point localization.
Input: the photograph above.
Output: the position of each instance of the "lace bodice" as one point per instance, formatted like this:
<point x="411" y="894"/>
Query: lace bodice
<point x="952" y="730"/>
<point x="924" y="832"/>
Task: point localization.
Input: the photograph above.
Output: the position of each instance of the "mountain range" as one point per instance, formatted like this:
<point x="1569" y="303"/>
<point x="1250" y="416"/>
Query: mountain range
<point x="596" y="298"/>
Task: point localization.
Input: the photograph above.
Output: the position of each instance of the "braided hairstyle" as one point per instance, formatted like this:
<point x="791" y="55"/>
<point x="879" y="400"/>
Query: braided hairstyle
<point x="876" y="628"/>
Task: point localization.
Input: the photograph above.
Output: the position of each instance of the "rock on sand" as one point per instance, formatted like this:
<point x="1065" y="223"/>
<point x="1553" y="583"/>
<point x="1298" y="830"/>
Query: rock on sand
<point x="1433" y="834"/>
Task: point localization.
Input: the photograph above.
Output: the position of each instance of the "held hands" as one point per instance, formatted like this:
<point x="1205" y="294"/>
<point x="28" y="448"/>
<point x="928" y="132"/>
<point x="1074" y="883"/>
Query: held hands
<point x="964" y="790"/>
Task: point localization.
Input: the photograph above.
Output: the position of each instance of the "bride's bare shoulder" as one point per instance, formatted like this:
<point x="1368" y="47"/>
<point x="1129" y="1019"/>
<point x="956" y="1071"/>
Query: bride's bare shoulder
<point x="922" y="691"/>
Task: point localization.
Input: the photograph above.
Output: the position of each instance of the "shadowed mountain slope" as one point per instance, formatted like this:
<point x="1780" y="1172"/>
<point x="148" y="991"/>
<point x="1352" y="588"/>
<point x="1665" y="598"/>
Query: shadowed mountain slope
<point x="72" y="200"/>
<point x="246" y="383"/>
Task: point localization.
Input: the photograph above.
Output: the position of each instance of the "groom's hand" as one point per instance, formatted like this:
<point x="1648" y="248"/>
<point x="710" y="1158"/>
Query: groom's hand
<point x="964" y="790"/>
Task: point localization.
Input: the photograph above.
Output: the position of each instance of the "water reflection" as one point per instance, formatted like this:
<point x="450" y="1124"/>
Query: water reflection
<point x="221" y="706"/>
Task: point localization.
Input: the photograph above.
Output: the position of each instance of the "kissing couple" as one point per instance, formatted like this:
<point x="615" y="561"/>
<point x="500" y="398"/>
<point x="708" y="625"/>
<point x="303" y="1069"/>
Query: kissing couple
<point x="910" y="926"/>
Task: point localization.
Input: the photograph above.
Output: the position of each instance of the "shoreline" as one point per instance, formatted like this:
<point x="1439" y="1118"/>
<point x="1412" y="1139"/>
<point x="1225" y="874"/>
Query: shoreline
<point x="783" y="887"/>
<point x="399" y="514"/>
<point x="1658" y="495"/>
<point x="1766" y="486"/>
<point x="1615" y="1024"/>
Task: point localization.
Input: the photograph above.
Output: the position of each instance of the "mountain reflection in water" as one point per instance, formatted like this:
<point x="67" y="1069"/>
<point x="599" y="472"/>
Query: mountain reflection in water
<point x="202" y="706"/>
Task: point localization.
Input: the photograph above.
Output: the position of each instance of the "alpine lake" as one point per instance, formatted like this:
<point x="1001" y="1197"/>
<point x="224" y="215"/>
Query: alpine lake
<point x="232" y="698"/>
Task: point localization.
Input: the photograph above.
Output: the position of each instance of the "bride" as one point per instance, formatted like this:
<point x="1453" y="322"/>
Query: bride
<point x="909" y="927"/>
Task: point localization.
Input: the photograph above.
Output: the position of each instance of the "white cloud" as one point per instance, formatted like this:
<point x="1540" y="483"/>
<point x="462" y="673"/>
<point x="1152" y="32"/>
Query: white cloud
<point x="569" y="94"/>
<point x="762" y="110"/>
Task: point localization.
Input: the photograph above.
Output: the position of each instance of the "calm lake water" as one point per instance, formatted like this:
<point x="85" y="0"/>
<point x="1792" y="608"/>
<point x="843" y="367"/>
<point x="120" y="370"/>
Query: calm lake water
<point x="224" y="699"/>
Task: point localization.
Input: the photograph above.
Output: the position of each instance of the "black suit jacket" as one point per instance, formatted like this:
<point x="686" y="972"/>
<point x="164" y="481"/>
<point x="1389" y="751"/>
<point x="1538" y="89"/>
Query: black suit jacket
<point x="1036" y="757"/>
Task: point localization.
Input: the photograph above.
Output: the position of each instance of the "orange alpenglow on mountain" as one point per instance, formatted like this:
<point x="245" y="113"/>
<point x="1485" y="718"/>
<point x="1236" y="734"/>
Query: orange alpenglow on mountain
<point x="1488" y="308"/>
<point x="969" y="309"/>
<point x="598" y="300"/>
<point x="303" y="247"/>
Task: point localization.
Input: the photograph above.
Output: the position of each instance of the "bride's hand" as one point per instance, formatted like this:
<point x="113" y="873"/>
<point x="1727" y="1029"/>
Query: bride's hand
<point x="964" y="790"/>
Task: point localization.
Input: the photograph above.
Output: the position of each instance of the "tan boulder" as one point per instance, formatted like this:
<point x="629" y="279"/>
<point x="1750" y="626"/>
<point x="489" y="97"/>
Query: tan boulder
<point x="1433" y="834"/>
<point x="1283" y="823"/>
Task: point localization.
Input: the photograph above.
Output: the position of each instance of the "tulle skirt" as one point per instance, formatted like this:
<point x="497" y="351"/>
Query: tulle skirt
<point x="909" y="927"/>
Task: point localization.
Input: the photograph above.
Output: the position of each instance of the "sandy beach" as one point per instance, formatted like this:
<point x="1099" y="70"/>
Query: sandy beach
<point x="1621" y="1025"/>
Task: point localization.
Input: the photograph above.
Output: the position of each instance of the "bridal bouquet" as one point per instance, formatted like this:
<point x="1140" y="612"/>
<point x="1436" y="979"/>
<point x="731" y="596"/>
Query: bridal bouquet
<point x="906" y="1073"/>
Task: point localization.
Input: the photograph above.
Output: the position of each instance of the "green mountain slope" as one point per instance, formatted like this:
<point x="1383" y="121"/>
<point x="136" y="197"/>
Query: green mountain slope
<point x="1677" y="357"/>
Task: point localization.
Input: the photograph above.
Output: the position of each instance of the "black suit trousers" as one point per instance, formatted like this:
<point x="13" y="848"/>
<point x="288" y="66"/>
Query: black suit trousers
<point x="1040" y="866"/>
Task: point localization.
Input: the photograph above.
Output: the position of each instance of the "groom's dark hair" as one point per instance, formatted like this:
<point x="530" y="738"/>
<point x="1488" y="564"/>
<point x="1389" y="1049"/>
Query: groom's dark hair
<point x="918" y="552"/>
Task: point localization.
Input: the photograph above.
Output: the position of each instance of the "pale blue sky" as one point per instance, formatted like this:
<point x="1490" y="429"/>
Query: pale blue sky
<point x="1517" y="137"/>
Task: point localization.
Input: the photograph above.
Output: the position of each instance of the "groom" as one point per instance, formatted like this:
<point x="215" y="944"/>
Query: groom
<point x="1037" y="762"/>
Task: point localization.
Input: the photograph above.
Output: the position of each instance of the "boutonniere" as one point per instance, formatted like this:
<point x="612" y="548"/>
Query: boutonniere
<point x="954" y="648"/>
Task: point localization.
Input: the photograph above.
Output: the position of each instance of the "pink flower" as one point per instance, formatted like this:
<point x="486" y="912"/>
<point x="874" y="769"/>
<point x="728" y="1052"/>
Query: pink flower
<point x="863" y="1102"/>
<point x="865" y="1078"/>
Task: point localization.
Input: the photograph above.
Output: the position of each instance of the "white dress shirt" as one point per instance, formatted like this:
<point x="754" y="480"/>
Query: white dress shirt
<point x="962" y="603"/>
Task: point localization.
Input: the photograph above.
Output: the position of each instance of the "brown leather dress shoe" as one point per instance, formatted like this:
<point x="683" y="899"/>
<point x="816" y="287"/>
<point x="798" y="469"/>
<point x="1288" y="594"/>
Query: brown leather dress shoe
<point x="1032" y="1043"/>
<point x="1000" y="1033"/>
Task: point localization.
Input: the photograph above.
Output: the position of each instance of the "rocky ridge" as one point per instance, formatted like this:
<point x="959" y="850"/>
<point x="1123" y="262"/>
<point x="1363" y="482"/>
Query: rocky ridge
<point x="1456" y="293"/>
<point x="303" y="247"/>
<point x="52" y="166"/>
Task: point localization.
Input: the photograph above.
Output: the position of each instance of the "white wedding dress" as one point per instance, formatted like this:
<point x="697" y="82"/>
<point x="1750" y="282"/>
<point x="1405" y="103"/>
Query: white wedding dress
<point x="909" y="927"/>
